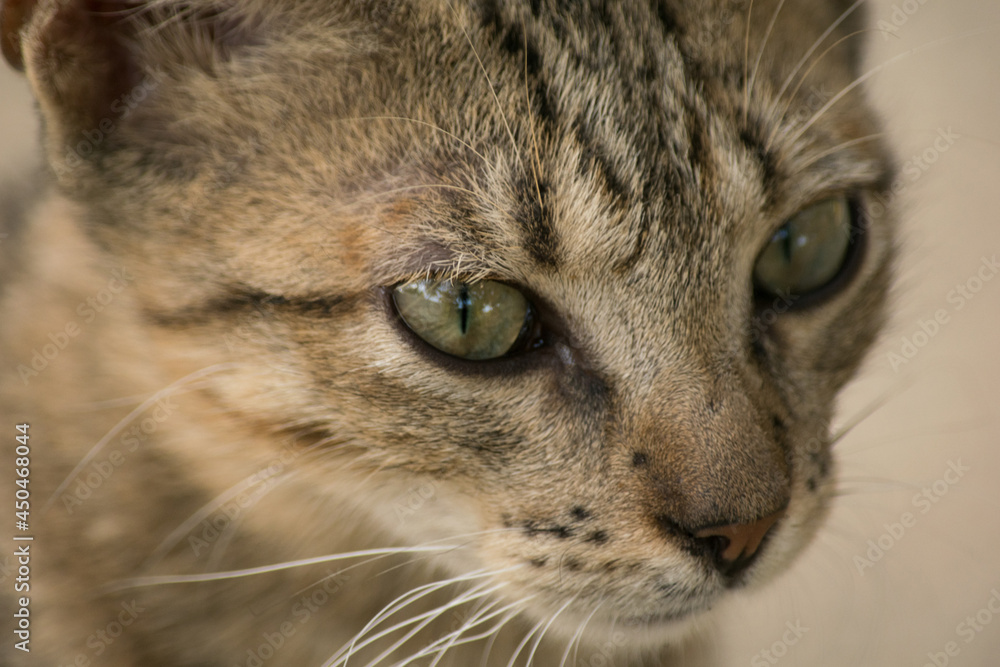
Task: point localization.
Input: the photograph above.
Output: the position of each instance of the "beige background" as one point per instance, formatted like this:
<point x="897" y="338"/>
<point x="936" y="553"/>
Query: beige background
<point x="943" y="407"/>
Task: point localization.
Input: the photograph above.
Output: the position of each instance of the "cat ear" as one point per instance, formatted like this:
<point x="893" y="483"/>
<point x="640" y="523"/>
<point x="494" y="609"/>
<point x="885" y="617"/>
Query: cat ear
<point x="76" y="56"/>
<point x="89" y="60"/>
<point x="13" y="15"/>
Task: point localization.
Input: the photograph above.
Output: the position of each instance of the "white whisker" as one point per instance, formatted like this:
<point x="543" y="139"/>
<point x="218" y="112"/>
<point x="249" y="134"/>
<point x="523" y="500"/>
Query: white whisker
<point x="422" y="621"/>
<point x="536" y="165"/>
<point x="409" y="598"/>
<point x="805" y="77"/>
<point x="812" y="49"/>
<point x="875" y="70"/>
<point x="541" y="635"/>
<point x="864" y="414"/>
<point x="478" y="619"/>
<point x="763" y="45"/>
<point x="161" y="580"/>
<point x="577" y="636"/>
<point x="127" y="419"/>
<point x="416" y="121"/>
<point x="206" y="510"/>
<point x="746" y="65"/>
<point x="496" y="99"/>
<point x="474" y="594"/>
<point x="496" y="633"/>
<point x="524" y="642"/>
<point x="441" y="645"/>
<point x="839" y="147"/>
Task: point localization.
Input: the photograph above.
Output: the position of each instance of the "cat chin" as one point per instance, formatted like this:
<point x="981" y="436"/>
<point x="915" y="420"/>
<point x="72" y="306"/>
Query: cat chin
<point x="649" y="633"/>
<point x="606" y="628"/>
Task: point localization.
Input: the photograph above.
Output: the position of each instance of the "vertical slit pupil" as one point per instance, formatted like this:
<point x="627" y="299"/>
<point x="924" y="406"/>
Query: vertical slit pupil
<point x="463" y="308"/>
<point x="786" y="239"/>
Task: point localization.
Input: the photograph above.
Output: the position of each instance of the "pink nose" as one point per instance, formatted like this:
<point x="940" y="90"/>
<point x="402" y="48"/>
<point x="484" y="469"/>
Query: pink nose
<point x="739" y="540"/>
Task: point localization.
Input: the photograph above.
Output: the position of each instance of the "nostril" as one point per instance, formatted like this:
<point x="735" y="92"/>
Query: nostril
<point x="717" y="545"/>
<point x="737" y="541"/>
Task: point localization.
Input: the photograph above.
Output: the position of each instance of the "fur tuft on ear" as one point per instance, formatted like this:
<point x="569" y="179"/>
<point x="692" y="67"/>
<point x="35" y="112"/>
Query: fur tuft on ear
<point x="91" y="61"/>
<point x="13" y="15"/>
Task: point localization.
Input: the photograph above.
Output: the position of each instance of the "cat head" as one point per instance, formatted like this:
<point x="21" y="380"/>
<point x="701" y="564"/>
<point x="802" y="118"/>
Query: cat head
<point x="596" y="273"/>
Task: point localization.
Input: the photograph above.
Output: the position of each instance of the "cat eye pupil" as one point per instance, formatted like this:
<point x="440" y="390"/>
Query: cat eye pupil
<point x="786" y="241"/>
<point x="463" y="308"/>
<point x="478" y="320"/>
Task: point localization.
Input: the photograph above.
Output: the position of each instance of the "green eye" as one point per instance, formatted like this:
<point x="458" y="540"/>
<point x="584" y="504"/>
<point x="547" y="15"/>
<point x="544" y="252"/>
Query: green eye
<point x="808" y="252"/>
<point x="476" y="320"/>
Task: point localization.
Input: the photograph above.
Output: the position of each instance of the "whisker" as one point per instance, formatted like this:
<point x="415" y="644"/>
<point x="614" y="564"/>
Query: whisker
<point x="812" y="49"/>
<point x="493" y="91"/>
<point x="875" y="70"/>
<point x="577" y="636"/>
<point x="524" y="642"/>
<point x="805" y="77"/>
<point x="161" y="580"/>
<point x="450" y="537"/>
<point x="536" y="166"/>
<point x="416" y="121"/>
<point x="878" y="480"/>
<point x="839" y="147"/>
<point x="205" y="511"/>
<point x="432" y="615"/>
<point x="746" y="65"/>
<point x="763" y="45"/>
<point x="489" y="645"/>
<point x="127" y="419"/>
<point x="209" y="508"/>
<point x="422" y="620"/>
<point x="412" y="596"/>
<point x="442" y="645"/>
<point x="541" y="635"/>
<point x="362" y="563"/>
<point x="861" y="416"/>
<point x="481" y="617"/>
<point x="409" y="597"/>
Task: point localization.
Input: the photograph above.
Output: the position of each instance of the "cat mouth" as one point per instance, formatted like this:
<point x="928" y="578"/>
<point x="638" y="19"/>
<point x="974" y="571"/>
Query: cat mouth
<point x="650" y="627"/>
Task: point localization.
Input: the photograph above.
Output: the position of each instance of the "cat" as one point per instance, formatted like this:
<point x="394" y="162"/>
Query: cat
<point x="434" y="332"/>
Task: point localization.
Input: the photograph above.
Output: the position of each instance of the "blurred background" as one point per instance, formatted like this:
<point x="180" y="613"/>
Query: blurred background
<point x="873" y="590"/>
<point x="907" y="569"/>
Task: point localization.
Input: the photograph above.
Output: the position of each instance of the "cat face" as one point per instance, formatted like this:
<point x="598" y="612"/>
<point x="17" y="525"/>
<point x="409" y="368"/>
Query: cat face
<point x="654" y="216"/>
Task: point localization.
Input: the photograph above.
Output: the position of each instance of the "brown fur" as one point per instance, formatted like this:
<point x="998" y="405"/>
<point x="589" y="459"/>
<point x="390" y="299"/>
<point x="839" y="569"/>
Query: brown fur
<point x="286" y="164"/>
